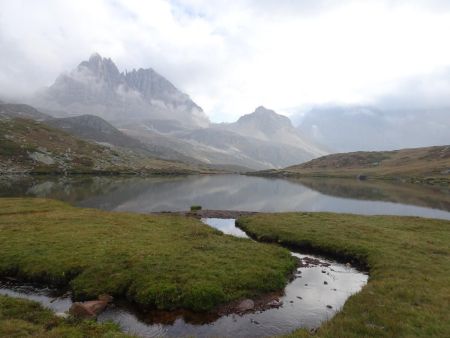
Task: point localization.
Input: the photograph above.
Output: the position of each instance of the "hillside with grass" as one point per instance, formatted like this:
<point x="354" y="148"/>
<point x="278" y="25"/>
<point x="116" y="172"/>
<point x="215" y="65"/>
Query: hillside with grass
<point x="431" y="165"/>
<point x="29" y="146"/>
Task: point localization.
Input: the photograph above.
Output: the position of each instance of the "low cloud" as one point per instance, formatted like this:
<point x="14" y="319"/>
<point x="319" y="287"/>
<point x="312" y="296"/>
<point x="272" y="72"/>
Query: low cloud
<point x="231" y="57"/>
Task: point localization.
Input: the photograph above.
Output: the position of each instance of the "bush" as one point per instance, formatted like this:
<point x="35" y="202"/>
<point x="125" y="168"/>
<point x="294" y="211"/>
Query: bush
<point x="196" y="207"/>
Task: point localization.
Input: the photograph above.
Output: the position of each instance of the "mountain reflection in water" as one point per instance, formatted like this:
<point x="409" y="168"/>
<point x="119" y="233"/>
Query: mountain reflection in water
<point x="236" y="192"/>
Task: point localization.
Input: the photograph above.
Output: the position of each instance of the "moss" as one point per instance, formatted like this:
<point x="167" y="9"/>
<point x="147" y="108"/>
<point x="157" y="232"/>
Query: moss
<point x="163" y="262"/>
<point x="408" y="293"/>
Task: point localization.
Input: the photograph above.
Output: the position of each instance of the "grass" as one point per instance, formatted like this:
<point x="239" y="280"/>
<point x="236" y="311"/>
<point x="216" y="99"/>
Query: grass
<point x="429" y="165"/>
<point x="24" y="318"/>
<point x="408" y="294"/>
<point x="162" y="262"/>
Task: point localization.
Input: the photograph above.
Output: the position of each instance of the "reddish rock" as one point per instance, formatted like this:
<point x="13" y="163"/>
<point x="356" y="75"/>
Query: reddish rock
<point x="246" y="305"/>
<point x="90" y="309"/>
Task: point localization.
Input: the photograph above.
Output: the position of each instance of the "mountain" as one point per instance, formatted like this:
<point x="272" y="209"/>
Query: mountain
<point x="429" y="164"/>
<point x="259" y="140"/>
<point x="97" y="87"/>
<point x="22" y="110"/>
<point x="94" y="128"/>
<point x="369" y="128"/>
<point x="28" y="146"/>
<point x="266" y="125"/>
<point x="145" y="106"/>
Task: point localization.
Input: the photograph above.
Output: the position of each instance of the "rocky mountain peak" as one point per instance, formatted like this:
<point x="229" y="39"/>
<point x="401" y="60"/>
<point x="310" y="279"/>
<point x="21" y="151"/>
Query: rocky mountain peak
<point x="97" y="87"/>
<point x="266" y="119"/>
<point x="152" y="85"/>
<point x="101" y="68"/>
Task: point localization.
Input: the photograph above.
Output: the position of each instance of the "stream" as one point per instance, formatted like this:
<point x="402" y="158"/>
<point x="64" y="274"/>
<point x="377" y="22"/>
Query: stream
<point x="315" y="294"/>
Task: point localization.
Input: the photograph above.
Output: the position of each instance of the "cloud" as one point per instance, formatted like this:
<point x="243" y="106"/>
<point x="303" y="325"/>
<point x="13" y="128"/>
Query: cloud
<point x="231" y="56"/>
<point x="427" y="91"/>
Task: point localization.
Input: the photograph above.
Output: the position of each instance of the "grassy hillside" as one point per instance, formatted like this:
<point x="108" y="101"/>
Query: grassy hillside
<point x="431" y="164"/>
<point x="28" y="146"/>
<point x="157" y="261"/>
<point x="408" y="293"/>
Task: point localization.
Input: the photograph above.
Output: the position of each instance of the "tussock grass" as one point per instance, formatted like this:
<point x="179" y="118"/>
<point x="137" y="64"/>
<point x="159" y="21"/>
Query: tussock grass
<point x="162" y="262"/>
<point x="408" y="294"/>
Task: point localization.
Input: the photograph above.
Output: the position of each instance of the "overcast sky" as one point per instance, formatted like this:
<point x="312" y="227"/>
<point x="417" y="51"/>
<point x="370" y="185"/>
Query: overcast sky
<point x="232" y="56"/>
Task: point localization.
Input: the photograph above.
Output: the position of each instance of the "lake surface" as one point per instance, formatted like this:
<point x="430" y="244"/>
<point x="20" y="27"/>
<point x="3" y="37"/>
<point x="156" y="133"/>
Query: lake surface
<point x="237" y="192"/>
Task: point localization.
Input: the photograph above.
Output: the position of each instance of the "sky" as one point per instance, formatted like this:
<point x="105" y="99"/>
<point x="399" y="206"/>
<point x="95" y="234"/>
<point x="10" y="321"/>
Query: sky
<point x="232" y="56"/>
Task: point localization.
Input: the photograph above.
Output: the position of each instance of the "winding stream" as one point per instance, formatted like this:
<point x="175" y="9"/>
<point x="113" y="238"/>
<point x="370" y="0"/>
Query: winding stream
<point x="316" y="293"/>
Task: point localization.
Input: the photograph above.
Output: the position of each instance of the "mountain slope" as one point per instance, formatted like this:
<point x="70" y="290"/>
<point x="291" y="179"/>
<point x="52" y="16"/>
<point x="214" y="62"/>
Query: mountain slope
<point x="94" y="128"/>
<point x="28" y="146"/>
<point x="266" y="125"/>
<point x="22" y="110"/>
<point x="97" y="87"/>
<point x="257" y="141"/>
<point x="431" y="164"/>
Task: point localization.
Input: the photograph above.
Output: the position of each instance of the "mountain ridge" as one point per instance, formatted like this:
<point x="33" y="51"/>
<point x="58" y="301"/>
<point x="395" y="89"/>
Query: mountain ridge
<point x="144" y="105"/>
<point x="96" y="86"/>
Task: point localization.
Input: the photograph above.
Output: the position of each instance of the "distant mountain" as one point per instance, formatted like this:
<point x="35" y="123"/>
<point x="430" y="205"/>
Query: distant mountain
<point x="259" y="140"/>
<point x="429" y="164"/>
<point x="368" y="128"/>
<point x="97" y="87"/>
<point x="28" y="146"/>
<point x="266" y="125"/>
<point x="145" y="106"/>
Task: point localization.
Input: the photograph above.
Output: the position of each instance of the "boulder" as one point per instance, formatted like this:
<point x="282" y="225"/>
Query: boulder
<point x="246" y="305"/>
<point x="90" y="309"/>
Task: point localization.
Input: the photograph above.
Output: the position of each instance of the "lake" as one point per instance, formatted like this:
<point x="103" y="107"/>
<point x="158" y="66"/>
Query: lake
<point x="315" y="294"/>
<point x="236" y="192"/>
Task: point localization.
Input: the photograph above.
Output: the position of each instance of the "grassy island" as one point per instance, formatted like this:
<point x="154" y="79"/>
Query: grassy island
<point x="408" y="294"/>
<point x="162" y="262"/>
